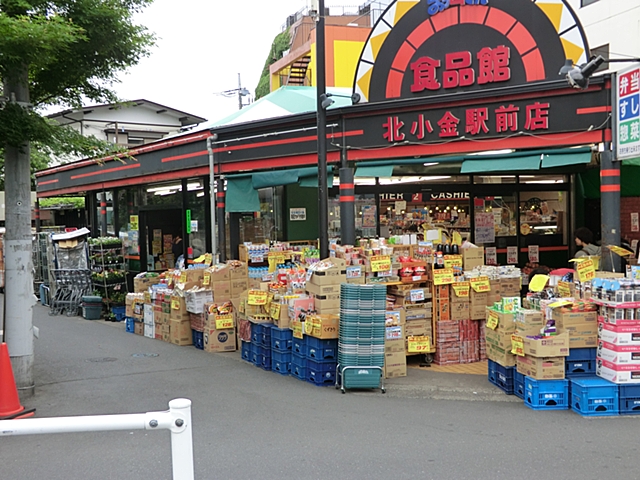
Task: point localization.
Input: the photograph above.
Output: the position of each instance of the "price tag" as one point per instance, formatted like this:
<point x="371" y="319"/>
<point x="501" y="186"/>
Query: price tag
<point x="586" y="270"/>
<point x="538" y="282"/>
<point x="274" y="310"/>
<point x="560" y="303"/>
<point x="175" y="304"/>
<point x="480" y="284"/>
<point x="224" y="321"/>
<point x="418" y="344"/>
<point x="417" y="295"/>
<point x="493" y="320"/>
<point x="297" y="330"/>
<point x="183" y="277"/>
<point x="457" y="239"/>
<point x="512" y="255"/>
<point x="451" y="261"/>
<point x="309" y="275"/>
<point x="308" y="326"/>
<point x="517" y="345"/>
<point x="380" y="263"/>
<point x="491" y="254"/>
<point x="257" y="258"/>
<point x="461" y="289"/>
<point x="443" y="277"/>
<point x="534" y="254"/>
<point x="208" y="259"/>
<point x="354" y="271"/>
<point x="623" y="252"/>
<point x="388" y="273"/>
<point x="564" y="289"/>
<point x="207" y="279"/>
<point x="257" y="297"/>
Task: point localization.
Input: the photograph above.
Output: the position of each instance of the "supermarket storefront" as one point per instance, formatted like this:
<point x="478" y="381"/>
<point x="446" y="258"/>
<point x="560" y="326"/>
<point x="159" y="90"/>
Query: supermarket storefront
<point x="464" y="123"/>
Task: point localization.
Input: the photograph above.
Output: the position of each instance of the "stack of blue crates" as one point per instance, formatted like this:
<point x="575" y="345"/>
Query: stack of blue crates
<point x="518" y="384"/>
<point x="594" y="396"/>
<point x="299" y="358"/>
<point x="629" y="399"/>
<point x="581" y="362"/>
<point x="130" y="324"/>
<point x="322" y="358"/>
<point x="281" y="344"/>
<point x="501" y="377"/>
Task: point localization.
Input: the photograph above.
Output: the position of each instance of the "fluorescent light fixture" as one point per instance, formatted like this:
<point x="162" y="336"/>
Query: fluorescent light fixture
<point x="201" y="194"/>
<point x="495" y="152"/>
<point x="164" y="193"/>
<point x="431" y="164"/>
<point x="546" y="182"/>
<point x="164" y="187"/>
<point x="545" y="228"/>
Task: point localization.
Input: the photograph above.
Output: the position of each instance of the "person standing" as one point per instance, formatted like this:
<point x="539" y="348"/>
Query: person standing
<point x="584" y="241"/>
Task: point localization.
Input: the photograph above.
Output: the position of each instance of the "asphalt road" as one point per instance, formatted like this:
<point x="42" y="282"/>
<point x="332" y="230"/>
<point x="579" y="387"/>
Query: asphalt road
<point x="249" y="423"/>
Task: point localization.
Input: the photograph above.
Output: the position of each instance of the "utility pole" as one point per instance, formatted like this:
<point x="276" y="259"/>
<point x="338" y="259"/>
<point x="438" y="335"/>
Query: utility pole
<point x="323" y="198"/>
<point x="239" y="92"/>
<point x="18" y="298"/>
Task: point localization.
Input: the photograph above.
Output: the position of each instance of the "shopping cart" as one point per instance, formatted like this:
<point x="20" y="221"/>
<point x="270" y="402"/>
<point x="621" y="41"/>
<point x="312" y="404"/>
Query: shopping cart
<point x="69" y="286"/>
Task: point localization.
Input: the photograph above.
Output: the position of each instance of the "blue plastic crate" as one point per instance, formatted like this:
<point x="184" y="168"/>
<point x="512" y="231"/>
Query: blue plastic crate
<point x="118" y="312"/>
<point x="518" y="384"/>
<point x="256" y="358"/>
<point x="579" y="368"/>
<point x="281" y="339"/>
<point x="130" y="325"/>
<point x="256" y="333"/>
<point x="266" y="335"/>
<point x="576" y="354"/>
<point x="321" y="373"/>
<point x="198" y="339"/>
<point x="245" y="350"/>
<point x="299" y="347"/>
<point x="501" y="377"/>
<point x="322" y="354"/>
<point x="281" y="362"/>
<point x="266" y="362"/>
<point x="546" y="394"/>
<point x="594" y="396"/>
<point x="299" y="366"/>
<point x="629" y="399"/>
<point x="313" y="342"/>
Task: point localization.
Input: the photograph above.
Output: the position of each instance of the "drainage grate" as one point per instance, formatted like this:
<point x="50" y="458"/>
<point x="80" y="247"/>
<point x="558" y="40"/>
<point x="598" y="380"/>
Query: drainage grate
<point x="141" y="355"/>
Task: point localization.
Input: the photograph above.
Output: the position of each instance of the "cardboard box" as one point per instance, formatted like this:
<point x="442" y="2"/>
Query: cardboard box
<point x="460" y="311"/>
<point x="619" y="354"/>
<point x="510" y="287"/>
<point x="417" y="314"/>
<point x="443" y="309"/>
<point x="506" y="321"/>
<point x="395" y="364"/>
<point x="472" y="257"/>
<point x="418" y="328"/>
<point x="627" y="374"/>
<point x="219" y="273"/>
<point x="326" y="302"/>
<point x="323" y="326"/>
<point x="529" y="322"/>
<point x="395" y="317"/>
<point x="585" y="341"/>
<point x="495" y="338"/>
<point x="196" y="298"/>
<point x="239" y="273"/>
<point x="192" y="276"/>
<point x="283" y="320"/>
<point x="221" y="291"/>
<point x="619" y="335"/>
<point x="138" y="328"/>
<point x="394" y="339"/>
<point x="501" y="356"/>
<point x="334" y="275"/>
<point x="322" y="290"/>
<point x="149" y="331"/>
<point x="220" y="340"/>
<point x="180" y="333"/>
<point x="238" y="286"/>
<point x="565" y="319"/>
<point x="556" y="346"/>
<point x="545" y="368"/>
<point x="141" y="284"/>
<point x="478" y="305"/>
<point x="581" y="329"/>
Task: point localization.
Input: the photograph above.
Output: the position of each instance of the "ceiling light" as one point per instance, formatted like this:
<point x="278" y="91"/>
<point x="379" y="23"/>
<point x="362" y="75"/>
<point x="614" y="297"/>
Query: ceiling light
<point x="430" y="164"/>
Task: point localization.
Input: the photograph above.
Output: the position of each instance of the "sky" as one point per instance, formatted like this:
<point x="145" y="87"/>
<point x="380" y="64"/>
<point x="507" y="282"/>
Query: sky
<point x="202" y="45"/>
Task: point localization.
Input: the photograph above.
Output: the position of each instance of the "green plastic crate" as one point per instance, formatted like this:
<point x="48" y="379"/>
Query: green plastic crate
<point x="362" y="377"/>
<point x="92" y="313"/>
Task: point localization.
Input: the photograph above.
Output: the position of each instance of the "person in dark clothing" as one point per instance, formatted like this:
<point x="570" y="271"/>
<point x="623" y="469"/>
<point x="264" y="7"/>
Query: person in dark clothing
<point x="177" y="248"/>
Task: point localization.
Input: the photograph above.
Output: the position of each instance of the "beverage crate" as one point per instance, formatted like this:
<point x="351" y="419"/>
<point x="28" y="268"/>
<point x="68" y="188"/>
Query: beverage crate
<point x="594" y="396"/>
<point x="576" y="354"/>
<point x="298" y="366"/>
<point x="321" y="373"/>
<point x="130" y="325"/>
<point x="266" y="335"/>
<point x="629" y="399"/>
<point x="501" y="377"/>
<point x="256" y="333"/>
<point x="245" y="350"/>
<point x="281" y="339"/>
<point x="579" y="368"/>
<point x="546" y="394"/>
<point x="266" y="361"/>
<point x="281" y="362"/>
<point x="313" y="342"/>
<point x="256" y="358"/>
<point x="518" y="384"/>
<point x="197" y="339"/>
<point x="322" y="354"/>
<point x="118" y="312"/>
<point x="299" y="347"/>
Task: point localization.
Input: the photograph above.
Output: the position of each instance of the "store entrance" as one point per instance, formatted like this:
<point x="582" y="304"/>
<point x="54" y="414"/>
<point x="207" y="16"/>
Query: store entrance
<point x="158" y="229"/>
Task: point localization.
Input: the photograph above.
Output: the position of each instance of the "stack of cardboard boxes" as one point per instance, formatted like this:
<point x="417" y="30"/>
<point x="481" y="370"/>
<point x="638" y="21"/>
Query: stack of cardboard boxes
<point x="323" y="284"/>
<point x="582" y="327"/>
<point x="544" y="358"/>
<point x="499" y="339"/>
<point x="395" y="357"/>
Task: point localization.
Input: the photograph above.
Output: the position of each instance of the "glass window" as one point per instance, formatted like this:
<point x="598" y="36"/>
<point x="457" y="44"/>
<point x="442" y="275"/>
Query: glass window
<point x="199" y="220"/>
<point x="163" y="194"/>
<point x="365" y="216"/>
<point x="544" y="213"/>
<point x="489" y="179"/>
<point x="265" y="225"/>
<point x="108" y="196"/>
<point x="543" y="179"/>
<point x="495" y="219"/>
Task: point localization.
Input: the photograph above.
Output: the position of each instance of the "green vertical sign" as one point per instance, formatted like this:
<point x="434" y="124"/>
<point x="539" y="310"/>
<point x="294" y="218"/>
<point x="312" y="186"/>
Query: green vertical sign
<point x="188" y="221"/>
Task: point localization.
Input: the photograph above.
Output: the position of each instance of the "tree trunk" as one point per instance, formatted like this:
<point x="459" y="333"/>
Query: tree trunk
<point x="19" y="298"/>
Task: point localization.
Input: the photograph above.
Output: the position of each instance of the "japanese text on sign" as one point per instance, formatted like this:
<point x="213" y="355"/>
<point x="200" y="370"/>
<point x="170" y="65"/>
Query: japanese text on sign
<point x="224" y="321"/>
<point x="206" y="280"/>
<point x="274" y="310"/>
<point x="628" y="104"/>
<point x="451" y="261"/>
<point x="175" y="304"/>
<point x="480" y="284"/>
<point x="512" y="255"/>
<point x="257" y="297"/>
<point x="493" y="319"/>
<point x="517" y="345"/>
<point x="417" y="295"/>
<point x="461" y="289"/>
<point x="418" y="344"/>
<point x="564" y="289"/>
<point x="491" y="255"/>
<point x="534" y="254"/>
<point x="586" y="270"/>
<point x="443" y="277"/>
<point x="380" y="263"/>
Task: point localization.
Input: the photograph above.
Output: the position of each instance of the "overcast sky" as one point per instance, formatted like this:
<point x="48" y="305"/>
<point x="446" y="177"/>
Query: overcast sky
<point x="202" y="46"/>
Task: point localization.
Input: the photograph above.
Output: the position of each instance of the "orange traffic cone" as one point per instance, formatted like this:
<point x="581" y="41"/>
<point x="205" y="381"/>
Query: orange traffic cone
<point x="9" y="401"/>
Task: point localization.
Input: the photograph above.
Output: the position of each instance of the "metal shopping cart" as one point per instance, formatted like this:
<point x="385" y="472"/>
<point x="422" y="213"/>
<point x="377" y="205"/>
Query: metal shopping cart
<point x="69" y="288"/>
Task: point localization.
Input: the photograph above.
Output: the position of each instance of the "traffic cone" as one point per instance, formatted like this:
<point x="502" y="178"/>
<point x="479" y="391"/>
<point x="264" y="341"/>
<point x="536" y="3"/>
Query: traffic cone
<point x="9" y="401"/>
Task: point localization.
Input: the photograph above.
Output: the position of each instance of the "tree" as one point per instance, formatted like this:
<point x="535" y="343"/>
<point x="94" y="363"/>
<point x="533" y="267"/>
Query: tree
<point x="281" y="44"/>
<point x="52" y="52"/>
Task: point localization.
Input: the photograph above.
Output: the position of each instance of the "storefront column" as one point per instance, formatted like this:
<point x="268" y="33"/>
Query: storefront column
<point x="378" y="206"/>
<point x="37" y="215"/>
<point x="220" y="214"/>
<point x="103" y="214"/>
<point x="609" y="208"/>
<point x="234" y="234"/>
<point x="347" y="207"/>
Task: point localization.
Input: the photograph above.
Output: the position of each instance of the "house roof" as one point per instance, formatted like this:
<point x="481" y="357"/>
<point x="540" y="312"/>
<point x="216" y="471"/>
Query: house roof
<point x="77" y="114"/>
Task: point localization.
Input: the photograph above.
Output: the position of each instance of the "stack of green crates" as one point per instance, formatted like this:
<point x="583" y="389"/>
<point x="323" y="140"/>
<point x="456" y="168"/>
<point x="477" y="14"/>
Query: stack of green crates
<point x="362" y="334"/>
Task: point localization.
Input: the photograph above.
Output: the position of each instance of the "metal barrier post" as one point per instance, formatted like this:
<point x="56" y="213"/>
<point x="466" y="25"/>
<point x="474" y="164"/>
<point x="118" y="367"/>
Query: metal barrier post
<point x="177" y="420"/>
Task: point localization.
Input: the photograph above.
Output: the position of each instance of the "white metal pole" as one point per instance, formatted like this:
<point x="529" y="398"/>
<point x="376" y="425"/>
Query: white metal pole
<point x="181" y="439"/>
<point x="212" y="199"/>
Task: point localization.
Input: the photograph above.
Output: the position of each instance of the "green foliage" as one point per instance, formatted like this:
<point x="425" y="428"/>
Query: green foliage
<point x="281" y="44"/>
<point x="70" y="202"/>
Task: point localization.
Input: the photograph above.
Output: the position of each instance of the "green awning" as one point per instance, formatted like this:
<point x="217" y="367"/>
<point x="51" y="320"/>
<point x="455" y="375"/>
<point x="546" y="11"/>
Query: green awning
<point x="483" y="165"/>
<point x="241" y="196"/>
<point x="374" y="171"/>
<point x="313" y="181"/>
<point x="274" y="178"/>
<point x="635" y="162"/>
<point x="565" y="159"/>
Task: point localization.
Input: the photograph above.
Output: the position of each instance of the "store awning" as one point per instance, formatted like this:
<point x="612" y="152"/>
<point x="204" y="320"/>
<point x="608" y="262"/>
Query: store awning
<point x="565" y="159"/>
<point x="634" y="162"/>
<point x="374" y="171"/>
<point x="509" y="164"/>
<point x="274" y="178"/>
<point x="241" y="196"/>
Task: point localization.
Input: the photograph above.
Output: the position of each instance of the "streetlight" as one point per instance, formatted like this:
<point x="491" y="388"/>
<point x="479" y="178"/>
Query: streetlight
<point x="578" y="78"/>
<point x="322" y="103"/>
